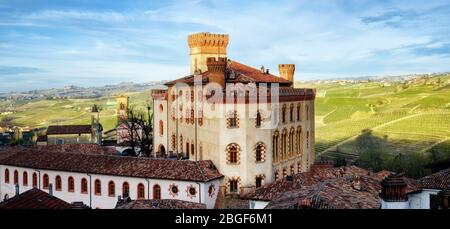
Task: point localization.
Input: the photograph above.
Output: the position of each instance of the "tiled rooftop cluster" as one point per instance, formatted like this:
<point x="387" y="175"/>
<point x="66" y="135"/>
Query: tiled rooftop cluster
<point x="115" y="165"/>
<point x="159" y="204"/>
<point x="35" y="199"/>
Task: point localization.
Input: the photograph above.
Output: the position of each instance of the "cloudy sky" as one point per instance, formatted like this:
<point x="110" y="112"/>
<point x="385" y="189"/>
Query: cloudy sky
<point x="45" y="44"/>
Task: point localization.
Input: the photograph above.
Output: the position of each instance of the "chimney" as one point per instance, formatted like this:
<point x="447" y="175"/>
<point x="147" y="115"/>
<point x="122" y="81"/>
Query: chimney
<point x="262" y="69"/>
<point x="393" y="192"/>
<point x="50" y="189"/>
<point x="216" y="70"/>
<point x="287" y="71"/>
<point x="356" y="183"/>
<point x="17" y="189"/>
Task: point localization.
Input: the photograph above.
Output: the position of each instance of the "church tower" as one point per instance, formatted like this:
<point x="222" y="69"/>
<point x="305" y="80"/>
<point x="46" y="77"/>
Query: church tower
<point x="122" y="105"/>
<point x="205" y="45"/>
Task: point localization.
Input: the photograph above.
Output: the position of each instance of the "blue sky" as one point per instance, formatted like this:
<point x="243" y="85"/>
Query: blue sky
<point x="45" y="44"/>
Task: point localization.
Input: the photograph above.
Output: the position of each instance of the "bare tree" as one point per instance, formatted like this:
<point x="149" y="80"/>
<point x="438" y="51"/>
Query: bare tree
<point x="137" y="131"/>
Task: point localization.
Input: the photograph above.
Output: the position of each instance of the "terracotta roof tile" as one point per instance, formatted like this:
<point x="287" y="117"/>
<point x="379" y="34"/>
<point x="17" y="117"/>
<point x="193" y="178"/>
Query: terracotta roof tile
<point x="159" y="204"/>
<point x="35" y="199"/>
<point x="201" y="171"/>
<point x="439" y="180"/>
<point x="69" y="129"/>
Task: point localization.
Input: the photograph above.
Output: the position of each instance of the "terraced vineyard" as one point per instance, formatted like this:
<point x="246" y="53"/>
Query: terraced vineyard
<point x="412" y="118"/>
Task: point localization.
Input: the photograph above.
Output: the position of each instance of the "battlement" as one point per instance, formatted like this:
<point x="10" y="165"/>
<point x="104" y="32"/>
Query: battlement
<point x="287" y="71"/>
<point x="208" y="40"/>
<point x="221" y="61"/>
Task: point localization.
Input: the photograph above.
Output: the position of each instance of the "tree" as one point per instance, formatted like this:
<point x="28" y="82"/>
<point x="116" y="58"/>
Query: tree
<point x="136" y="131"/>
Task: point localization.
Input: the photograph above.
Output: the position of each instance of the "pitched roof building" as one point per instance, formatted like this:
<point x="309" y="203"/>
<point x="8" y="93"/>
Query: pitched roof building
<point x="35" y="199"/>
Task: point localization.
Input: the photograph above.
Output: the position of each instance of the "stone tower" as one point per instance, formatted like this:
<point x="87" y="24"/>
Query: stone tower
<point x="204" y="45"/>
<point x="122" y="105"/>
<point x="287" y="71"/>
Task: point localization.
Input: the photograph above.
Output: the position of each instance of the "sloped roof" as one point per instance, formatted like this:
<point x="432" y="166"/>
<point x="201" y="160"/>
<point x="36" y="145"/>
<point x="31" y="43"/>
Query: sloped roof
<point x="69" y="129"/>
<point x="159" y="204"/>
<point x="34" y="199"/>
<point x="439" y="180"/>
<point x="201" y="171"/>
<point x="243" y="73"/>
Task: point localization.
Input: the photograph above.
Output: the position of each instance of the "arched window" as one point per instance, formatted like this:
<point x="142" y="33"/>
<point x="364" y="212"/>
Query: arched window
<point x="292" y="170"/>
<point x="181" y="143"/>
<point x="299" y="140"/>
<point x="233" y="151"/>
<point x="7" y="176"/>
<point x="58" y="183"/>
<point x="46" y="182"/>
<point x="291" y="142"/>
<point x="35" y="180"/>
<point x="192" y="116"/>
<point x="161" y="108"/>
<point x="258" y="119"/>
<point x="259" y="181"/>
<point x="200" y="117"/>
<point x="291" y="113"/>
<point x="161" y="128"/>
<point x="299" y="167"/>
<point x="233" y="183"/>
<point x="275" y="176"/>
<point x="285" y="173"/>
<point x="140" y="191"/>
<point x="299" y="112"/>
<point x="156" y="192"/>
<point x="70" y="184"/>
<point x="97" y="187"/>
<point x="307" y="112"/>
<point x="111" y="189"/>
<point x="125" y="189"/>
<point x="84" y="186"/>
<point x="260" y="152"/>
<point x="232" y="119"/>
<point x="16" y="177"/>
<point x="276" y="146"/>
<point x="283" y="113"/>
<point x="284" y="144"/>
<point x="25" y="179"/>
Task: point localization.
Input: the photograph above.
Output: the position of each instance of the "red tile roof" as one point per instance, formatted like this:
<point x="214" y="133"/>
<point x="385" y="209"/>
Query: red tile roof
<point x="35" y="199"/>
<point x="77" y="148"/>
<point x="439" y="180"/>
<point x="159" y="204"/>
<point x="201" y="171"/>
<point x="243" y="73"/>
<point x="69" y="129"/>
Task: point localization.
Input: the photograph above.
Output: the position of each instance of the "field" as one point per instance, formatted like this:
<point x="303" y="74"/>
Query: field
<point x="43" y="112"/>
<point x="411" y="117"/>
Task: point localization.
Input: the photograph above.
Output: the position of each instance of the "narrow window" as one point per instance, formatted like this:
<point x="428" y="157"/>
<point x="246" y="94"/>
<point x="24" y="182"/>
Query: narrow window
<point x="233" y="186"/>
<point x="7" y="176"/>
<point x="111" y="189"/>
<point x="46" y="181"/>
<point x="58" y="185"/>
<point x="156" y="192"/>
<point x="70" y="184"/>
<point x="16" y="177"/>
<point x="97" y="187"/>
<point x="84" y="186"/>
<point x="35" y="180"/>
<point x="125" y="189"/>
<point x="25" y="179"/>
<point x="141" y="191"/>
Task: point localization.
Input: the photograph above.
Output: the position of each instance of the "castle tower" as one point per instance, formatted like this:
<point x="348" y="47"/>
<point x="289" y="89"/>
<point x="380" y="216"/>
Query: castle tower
<point x="122" y="106"/>
<point x="216" y="70"/>
<point x="287" y="71"/>
<point x="204" y="45"/>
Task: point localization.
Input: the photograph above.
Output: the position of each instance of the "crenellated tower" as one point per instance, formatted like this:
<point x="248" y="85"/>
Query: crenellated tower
<point x="287" y="71"/>
<point x="205" y="45"/>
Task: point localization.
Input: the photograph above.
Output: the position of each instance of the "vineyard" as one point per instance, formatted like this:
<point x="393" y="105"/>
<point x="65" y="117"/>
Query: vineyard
<point x="411" y="118"/>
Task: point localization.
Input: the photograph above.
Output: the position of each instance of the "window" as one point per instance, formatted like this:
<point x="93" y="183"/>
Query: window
<point x="173" y="190"/>
<point x="258" y="119"/>
<point x="60" y="141"/>
<point x="161" y="128"/>
<point x="299" y="112"/>
<point x="84" y="185"/>
<point x="299" y="140"/>
<point x="35" y="180"/>
<point x="141" y="191"/>
<point x="111" y="189"/>
<point x="275" y="176"/>
<point x="6" y="176"/>
<point x="70" y="184"/>
<point x="192" y="149"/>
<point x="125" y="189"/>
<point x="192" y="191"/>
<point x="283" y="114"/>
<point x="58" y="185"/>
<point x="292" y="170"/>
<point x="173" y="139"/>
<point x="25" y="179"/>
<point x="276" y="146"/>
<point x="307" y="112"/>
<point x="187" y="149"/>
<point x="46" y="182"/>
<point x="200" y="117"/>
<point x="291" y="142"/>
<point x="16" y="177"/>
<point x="97" y="187"/>
<point x="260" y="149"/>
<point x="259" y="181"/>
<point x="284" y="173"/>
<point x="434" y="201"/>
<point x="233" y="185"/>
<point x="284" y="144"/>
<point x="291" y="113"/>
<point x="232" y="119"/>
<point x="233" y="153"/>
<point x="192" y="116"/>
<point x="299" y="167"/>
<point x="181" y="143"/>
<point x="161" y="108"/>
<point x="156" y="192"/>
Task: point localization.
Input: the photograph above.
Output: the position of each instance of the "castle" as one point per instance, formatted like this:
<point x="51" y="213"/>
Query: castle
<point x="254" y="126"/>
